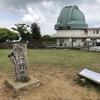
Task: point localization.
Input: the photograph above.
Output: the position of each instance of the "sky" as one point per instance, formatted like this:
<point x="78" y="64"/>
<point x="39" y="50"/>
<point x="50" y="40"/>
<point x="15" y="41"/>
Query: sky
<point x="45" y="12"/>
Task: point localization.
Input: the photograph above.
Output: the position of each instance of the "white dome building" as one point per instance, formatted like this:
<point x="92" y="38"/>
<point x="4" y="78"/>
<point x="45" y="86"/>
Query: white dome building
<point x="72" y="30"/>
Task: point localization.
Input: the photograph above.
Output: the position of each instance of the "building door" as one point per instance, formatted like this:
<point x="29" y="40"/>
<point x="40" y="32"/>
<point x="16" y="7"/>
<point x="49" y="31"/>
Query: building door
<point x="61" y="42"/>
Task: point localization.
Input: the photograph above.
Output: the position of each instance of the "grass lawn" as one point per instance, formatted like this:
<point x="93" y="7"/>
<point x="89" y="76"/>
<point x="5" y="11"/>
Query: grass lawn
<point x="57" y="58"/>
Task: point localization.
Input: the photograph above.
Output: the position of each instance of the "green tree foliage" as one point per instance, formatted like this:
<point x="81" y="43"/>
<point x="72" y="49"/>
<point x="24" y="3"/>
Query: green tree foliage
<point x="7" y="35"/>
<point x="47" y="36"/>
<point x="23" y="31"/>
<point x="35" y="31"/>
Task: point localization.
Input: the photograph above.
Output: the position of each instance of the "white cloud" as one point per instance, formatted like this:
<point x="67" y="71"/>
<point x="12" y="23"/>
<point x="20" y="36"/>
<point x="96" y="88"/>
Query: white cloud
<point x="91" y="14"/>
<point x="98" y="1"/>
<point x="47" y="4"/>
<point x="6" y="24"/>
<point x="45" y="12"/>
<point x="33" y="15"/>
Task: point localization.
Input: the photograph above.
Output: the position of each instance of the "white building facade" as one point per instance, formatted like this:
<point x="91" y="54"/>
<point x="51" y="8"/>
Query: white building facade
<point x="71" y="29"/>
<point x="78" y="37"/>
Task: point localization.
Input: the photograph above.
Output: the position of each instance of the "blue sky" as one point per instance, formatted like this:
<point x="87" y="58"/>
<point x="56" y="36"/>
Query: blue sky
<point x="9" y="16"/>
<point x="45" y="12"/>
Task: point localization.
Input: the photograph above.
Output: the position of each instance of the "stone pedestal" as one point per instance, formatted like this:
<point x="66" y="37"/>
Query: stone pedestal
<point x="18" y="86"/>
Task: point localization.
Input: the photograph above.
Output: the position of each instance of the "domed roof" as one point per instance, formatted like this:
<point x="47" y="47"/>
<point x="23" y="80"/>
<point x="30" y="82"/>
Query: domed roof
<point x="71" y="17"/>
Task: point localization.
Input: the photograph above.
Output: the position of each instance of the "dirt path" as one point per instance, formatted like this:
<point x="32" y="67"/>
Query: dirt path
<point x="57" y="84"/>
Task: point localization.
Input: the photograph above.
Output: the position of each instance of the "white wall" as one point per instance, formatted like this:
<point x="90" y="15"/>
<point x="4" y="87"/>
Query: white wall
<point x="77" y="33"/>
<point x="66" y="34"/>
<point x="93" y="34"/>
<point x="58" y="42"/>
<point x="70" y="33"/>
<point x="78" y="42"/>
<point x="66" y="42"/>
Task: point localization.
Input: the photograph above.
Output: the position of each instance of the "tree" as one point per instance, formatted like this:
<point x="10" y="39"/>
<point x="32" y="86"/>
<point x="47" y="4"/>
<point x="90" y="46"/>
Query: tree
<point x="23" y="31"/>
<point x="35" y="31"/>
<point x="47" y="36"/>
<point x="7" y="35"/>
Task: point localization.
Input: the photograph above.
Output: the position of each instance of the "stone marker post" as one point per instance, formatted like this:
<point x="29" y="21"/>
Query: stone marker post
<point x="19" y="59"/>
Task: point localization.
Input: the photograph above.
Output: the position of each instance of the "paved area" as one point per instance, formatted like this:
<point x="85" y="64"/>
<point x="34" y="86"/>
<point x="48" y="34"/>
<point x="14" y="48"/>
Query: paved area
<point x="95" y="48"/>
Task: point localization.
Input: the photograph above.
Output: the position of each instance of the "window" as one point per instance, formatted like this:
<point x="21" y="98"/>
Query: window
<point x="82" y="40"/>
<point x="97" y="31"/>
<point x="93" y="31"/>
<point x="74" y="40"/>
<point x="86" y="32"/>
<point x="61" y="41"/>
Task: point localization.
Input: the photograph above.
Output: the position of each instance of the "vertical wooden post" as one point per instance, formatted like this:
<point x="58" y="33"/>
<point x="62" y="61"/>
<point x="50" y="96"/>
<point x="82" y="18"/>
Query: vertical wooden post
<point x="19" y="59"/>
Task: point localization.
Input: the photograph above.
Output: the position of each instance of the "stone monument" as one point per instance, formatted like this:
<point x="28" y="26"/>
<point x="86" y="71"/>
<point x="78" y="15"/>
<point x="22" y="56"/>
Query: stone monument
<point x="19" y="59"/>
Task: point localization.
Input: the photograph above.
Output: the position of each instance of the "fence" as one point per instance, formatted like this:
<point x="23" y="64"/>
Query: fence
<point x="36" y="43"/>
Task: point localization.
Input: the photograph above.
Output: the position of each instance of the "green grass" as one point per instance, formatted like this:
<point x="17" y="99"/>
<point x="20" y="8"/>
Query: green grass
<point x="88" y="84"/>
<point x="66" y="58"/>
<point x="58" y="58"/>
<point x="5" y="63"/>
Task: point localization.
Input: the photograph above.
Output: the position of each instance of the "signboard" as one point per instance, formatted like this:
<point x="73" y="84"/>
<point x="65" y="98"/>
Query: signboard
<point x="93" y="76"/>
